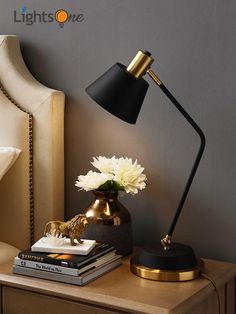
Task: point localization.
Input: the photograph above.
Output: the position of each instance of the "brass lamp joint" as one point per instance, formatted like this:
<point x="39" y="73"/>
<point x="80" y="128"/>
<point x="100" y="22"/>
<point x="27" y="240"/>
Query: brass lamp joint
<point x="166" y="242"/>
<point x="154" y="77"/>
<point x="140" y="64"/>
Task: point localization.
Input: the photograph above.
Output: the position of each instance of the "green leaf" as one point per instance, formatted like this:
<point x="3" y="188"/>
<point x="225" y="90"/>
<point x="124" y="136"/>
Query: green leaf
<point x="110" y="185"/>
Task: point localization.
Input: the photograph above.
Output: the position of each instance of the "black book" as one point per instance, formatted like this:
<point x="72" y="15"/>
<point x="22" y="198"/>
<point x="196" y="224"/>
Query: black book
<point x="67" y="260"/>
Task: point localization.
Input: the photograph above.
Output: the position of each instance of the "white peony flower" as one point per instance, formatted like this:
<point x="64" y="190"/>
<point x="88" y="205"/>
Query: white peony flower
<point x="92" y="180"/>
<point x="118" y="174"/>
<point x="129" y="175"/>
<point x="105" y="165"/>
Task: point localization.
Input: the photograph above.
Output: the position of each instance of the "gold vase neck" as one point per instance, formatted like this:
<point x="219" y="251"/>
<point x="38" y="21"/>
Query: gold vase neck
<point x="105" y="194"/>
<point x="106" y="209"/>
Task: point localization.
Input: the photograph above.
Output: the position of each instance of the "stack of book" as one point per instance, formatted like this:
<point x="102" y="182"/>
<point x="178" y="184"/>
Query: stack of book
<point x="68" y="268"/>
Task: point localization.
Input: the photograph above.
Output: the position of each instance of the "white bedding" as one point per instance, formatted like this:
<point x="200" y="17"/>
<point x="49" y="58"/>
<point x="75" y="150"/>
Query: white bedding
<point x="8" y="156"/>
<point x="7" y="252"/>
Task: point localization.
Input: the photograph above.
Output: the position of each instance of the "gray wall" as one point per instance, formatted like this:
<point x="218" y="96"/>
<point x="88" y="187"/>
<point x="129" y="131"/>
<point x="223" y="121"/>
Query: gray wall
<point x="194" y="45"/>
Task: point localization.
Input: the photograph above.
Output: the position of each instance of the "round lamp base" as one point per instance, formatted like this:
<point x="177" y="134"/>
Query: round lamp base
<point x="176" y="264"/>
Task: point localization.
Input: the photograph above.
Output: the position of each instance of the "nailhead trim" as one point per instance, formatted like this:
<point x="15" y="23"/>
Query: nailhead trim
<point x="31" y="200"/>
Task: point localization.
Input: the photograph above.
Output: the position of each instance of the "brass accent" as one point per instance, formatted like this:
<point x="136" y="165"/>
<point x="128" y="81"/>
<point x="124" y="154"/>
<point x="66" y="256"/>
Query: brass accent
<point x="154" y="77"/>
<point x="31" y="191"/>
<point x="140" y="64"/>
<point x="72" y="228"/>
<point x="166" y="242"/>
<point x="107" y="210"/>
<point x="166" y="275"/>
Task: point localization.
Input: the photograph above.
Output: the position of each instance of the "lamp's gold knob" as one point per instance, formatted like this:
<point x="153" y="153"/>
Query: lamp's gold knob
<point x="140" y="64"/>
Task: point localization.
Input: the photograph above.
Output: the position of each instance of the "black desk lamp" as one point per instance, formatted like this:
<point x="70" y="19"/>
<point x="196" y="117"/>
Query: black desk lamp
<point x="121" y="91"/>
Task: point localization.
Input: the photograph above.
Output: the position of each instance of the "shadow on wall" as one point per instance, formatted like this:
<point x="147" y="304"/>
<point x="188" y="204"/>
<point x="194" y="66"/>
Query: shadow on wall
<point x="200" y="220"/>
<point x="76" y="157"/>
<point x="30" y="54"/>
<point x="42" y="65"/>
<point x="145" y="218"/>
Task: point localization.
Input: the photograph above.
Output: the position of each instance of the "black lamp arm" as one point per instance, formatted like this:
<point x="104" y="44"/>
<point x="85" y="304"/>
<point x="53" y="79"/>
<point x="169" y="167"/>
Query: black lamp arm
<point x="167" y="240"/>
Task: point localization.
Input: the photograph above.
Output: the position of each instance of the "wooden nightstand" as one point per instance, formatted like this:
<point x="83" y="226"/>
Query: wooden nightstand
<point x="119" y="292"/>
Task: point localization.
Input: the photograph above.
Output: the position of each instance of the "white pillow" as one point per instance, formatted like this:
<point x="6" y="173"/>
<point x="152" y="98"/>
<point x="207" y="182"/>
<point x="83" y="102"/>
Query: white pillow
<point x="8" y="156"/>
<point x="7" y="253"/>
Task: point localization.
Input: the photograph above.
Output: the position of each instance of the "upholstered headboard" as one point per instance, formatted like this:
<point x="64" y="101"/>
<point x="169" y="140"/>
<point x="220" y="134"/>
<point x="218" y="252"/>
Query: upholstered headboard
<point x="32" y="119"/>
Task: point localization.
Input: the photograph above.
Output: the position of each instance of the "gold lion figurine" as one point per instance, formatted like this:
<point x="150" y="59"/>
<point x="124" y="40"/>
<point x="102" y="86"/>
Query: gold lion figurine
<point x="72" y="228"/>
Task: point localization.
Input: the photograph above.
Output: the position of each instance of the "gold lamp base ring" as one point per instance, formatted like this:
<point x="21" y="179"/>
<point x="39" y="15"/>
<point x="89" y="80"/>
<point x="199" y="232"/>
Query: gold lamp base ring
<point x="166" y="275"/>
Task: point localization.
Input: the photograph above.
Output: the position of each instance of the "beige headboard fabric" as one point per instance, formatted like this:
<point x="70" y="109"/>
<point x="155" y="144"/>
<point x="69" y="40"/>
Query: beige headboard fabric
<point x="14" y="187"/>
<point x="47" y="107"/>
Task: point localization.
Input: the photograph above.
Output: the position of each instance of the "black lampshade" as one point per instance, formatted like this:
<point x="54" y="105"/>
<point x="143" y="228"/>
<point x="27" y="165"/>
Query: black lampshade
<point x="119" y="92"/>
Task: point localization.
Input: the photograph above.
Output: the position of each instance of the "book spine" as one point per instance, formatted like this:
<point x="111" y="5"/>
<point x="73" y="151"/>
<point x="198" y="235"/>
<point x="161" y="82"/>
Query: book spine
<point x="36" y="257"/>
<point x="46" y="275"/>
<point x="49" y="260"/>
<point x="47" y="267"/>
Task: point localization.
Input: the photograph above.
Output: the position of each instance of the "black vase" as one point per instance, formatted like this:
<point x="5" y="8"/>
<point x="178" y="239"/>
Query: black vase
<point x="110" y="222"/>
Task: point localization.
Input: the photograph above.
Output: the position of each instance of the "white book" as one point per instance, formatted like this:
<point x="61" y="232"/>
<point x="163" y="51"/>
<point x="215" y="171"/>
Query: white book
<point x="44" y="245"/>
<point x="66" y="270"/>
<point x="75" y="280"/>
